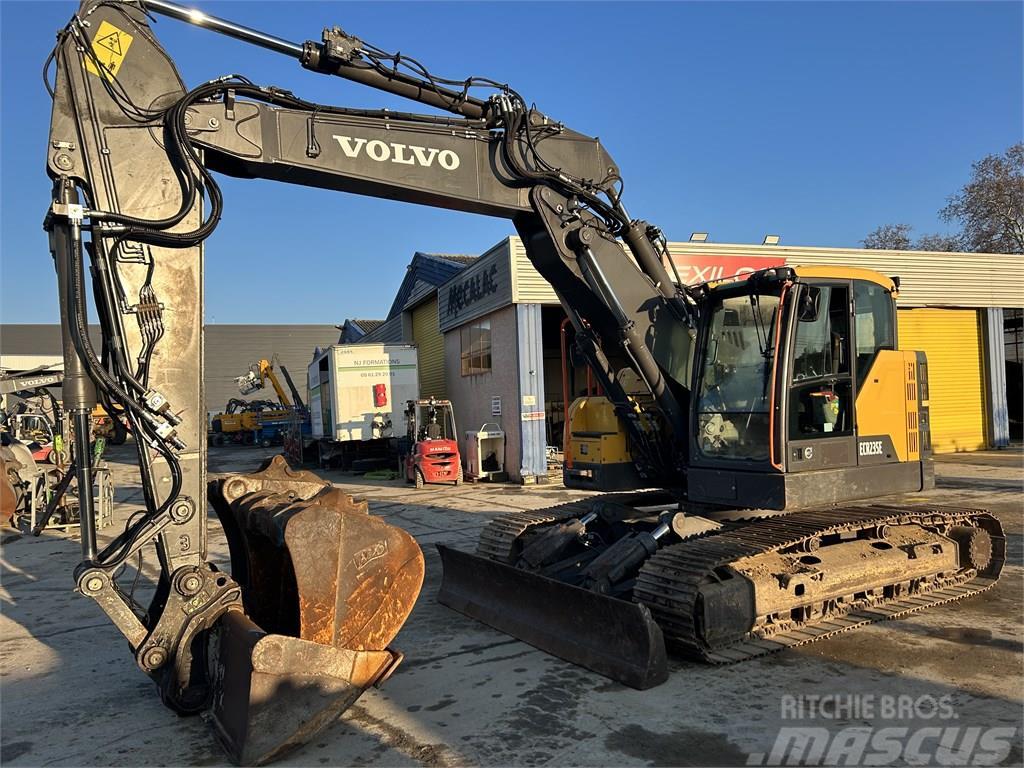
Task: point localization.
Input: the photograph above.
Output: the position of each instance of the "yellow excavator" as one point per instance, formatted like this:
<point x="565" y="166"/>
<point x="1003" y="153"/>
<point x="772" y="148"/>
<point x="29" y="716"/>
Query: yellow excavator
<point x="798" y="408"/>
<point x="260" y="373"/>
<point x="256" y="421"/>
<point x="759" y="410"/>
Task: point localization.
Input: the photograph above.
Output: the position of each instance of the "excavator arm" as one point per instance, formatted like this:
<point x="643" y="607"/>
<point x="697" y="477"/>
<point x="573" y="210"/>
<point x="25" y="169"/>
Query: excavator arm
<point x="259" y="374"/>
<point x="131" y="153"/>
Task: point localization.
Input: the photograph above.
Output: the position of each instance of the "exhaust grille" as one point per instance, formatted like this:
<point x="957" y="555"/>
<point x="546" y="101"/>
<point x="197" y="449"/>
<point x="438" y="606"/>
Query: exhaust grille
<point x="913" y="425"/>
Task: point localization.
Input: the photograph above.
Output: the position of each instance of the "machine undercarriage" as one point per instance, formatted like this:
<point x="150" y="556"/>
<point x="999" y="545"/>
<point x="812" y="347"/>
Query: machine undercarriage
<point x="643" y="575"/>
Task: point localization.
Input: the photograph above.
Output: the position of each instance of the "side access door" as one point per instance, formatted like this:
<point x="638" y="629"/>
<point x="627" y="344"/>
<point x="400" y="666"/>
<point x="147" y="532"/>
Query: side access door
<point x="820" y="423"/>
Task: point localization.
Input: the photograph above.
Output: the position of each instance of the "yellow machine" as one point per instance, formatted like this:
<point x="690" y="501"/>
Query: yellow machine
<point x="789" y="409"/>
<point x="793" y="409"/>
<point x="259" y="374"/>
<point x="109" y="427"/>
<point x="242" y="420"/>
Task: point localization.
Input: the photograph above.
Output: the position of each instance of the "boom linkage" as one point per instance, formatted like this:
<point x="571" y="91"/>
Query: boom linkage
<point x="131" y="153"/>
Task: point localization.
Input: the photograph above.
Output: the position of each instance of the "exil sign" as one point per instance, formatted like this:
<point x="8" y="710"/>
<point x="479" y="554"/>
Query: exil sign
<point x="695" y="269"/>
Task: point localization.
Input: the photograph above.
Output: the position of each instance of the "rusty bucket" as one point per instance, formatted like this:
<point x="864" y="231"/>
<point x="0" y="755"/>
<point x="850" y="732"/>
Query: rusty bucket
<point x="325" y="587"/>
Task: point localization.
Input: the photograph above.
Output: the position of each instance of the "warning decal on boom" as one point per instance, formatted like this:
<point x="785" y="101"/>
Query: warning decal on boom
<point x="110" y="46"/>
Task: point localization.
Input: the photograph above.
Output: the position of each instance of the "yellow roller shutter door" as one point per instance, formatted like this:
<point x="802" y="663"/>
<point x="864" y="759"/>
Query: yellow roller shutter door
<point x="952" y="340"/>
<point x="430" y="349"/>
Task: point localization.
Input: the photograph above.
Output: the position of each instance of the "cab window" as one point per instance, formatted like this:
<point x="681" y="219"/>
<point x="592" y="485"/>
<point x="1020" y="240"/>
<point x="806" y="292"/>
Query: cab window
<point x="821" y="400"/>
<point x="874" y="326"/>
<point x="733" y="397"/>
<point x="823" y="333"/>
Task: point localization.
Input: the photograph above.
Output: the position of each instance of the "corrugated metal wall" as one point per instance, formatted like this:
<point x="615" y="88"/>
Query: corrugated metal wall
<point x="37" y="338"/>
<point x="430" y="349"/>
<point x="953" y="342"/>
<point x="530" y="408"/>
<point x="230" y="350"/>
<point x="926" y="277"/>
<point x="528" y="287"/>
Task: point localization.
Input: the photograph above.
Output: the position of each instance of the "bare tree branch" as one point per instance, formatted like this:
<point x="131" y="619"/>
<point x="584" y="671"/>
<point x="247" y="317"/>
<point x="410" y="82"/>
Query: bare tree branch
<point x="990" y="207"/>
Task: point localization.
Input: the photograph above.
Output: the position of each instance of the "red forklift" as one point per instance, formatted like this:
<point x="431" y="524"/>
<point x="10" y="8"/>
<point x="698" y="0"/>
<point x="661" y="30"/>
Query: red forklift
<point x="432" y="448"/>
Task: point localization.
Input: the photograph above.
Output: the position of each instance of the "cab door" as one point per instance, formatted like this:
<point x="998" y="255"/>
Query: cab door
<point x="819" y="420"/>
<point x="886" y="381"/>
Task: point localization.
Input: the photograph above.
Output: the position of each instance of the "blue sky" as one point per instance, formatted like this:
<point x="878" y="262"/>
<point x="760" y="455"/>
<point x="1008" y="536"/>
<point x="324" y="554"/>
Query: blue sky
<point x="814" y="121"/>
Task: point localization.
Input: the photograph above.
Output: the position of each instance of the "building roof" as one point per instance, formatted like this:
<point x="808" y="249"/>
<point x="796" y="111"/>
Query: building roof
<point x="458" y="258"/>
<point x="389" y="332"/>
<point x="419" y="293"/>
<point x="354" y="330"/>
<point x="429" y="268"/>
<point x="368" y="325"/>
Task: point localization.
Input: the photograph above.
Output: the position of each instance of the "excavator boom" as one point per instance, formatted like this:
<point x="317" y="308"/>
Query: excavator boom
<point x="131" y="153"/>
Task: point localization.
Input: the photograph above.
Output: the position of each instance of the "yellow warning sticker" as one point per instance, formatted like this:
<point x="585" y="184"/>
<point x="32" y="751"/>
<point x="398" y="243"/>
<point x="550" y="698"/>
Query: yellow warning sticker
<point x="110" y="46"/>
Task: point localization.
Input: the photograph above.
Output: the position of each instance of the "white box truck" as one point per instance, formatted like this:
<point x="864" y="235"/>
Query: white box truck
<point x="357" y="398"/>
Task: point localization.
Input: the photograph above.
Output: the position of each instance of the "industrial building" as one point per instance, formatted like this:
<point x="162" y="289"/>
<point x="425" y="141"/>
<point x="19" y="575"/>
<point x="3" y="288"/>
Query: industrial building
<point x="230" y="350"/>
<point x="488" y="334"/>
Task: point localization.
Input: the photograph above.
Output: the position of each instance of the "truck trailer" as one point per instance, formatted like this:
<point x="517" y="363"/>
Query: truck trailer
<point x="357" y="400"/>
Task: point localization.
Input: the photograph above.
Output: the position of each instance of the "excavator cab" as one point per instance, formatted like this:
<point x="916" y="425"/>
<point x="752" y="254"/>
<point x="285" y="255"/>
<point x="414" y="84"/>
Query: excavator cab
<point x="799" y="396"/>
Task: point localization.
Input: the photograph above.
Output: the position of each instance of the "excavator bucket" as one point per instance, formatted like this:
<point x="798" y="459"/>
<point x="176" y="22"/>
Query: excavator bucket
<point x="613" y="637"/>
<point x="8" y="496"/>
<point x="325" y="587"/>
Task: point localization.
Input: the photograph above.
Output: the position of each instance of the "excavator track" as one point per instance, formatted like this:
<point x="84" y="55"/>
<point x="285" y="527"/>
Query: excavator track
<point x="499" y="539"/>
<point x="670" y="582"/>
<point x="669" y="585"/>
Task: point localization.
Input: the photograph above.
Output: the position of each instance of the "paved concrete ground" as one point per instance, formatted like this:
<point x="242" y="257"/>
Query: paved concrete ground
<point x="468" y="695"/>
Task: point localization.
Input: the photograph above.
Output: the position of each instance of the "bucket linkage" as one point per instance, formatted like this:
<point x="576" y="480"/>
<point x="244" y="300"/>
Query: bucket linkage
<point x="325" y="589"/>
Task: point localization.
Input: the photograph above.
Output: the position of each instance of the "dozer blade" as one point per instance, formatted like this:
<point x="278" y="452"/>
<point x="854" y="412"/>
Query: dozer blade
<point x="325" y="587"/>
<point x="613" y="637"/>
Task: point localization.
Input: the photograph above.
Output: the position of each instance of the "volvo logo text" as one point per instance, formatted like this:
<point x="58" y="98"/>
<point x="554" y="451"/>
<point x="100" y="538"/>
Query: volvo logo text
<point x="403" y="154"/>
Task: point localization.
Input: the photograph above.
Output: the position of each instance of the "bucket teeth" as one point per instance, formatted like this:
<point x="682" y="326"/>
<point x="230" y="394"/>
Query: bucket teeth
<point x="325" y="586"/>
<point x="274" y="693"/>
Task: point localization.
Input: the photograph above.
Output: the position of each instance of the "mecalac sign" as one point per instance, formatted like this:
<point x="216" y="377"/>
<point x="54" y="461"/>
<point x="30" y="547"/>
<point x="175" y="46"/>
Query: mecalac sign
<point x="465" y="293"/>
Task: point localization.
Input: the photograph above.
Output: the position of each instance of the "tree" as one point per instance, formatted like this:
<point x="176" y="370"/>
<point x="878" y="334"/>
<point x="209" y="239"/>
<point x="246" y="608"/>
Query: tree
<point x="937" y="242"/>
<point x="990" y="207"/>
<point x="896" y="237"/>
<point x="889" y="237"/>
